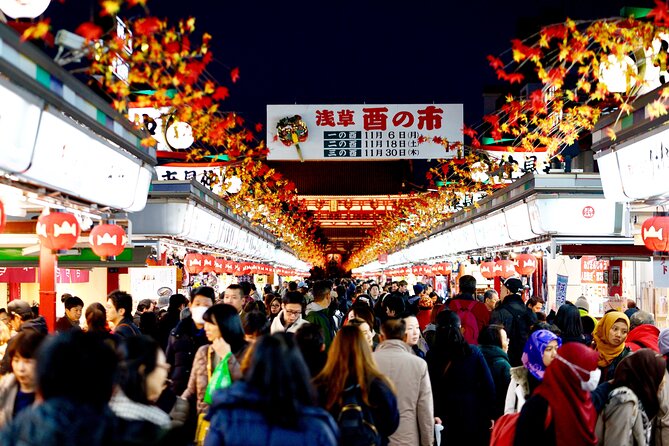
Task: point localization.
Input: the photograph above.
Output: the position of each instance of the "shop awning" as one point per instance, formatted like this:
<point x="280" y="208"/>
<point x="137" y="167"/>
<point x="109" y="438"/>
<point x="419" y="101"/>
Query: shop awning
<point x="130" y="257"/>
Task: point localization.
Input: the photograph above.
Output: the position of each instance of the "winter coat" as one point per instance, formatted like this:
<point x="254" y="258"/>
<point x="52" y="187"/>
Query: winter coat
<point x="58" y="421"/>
<point x="517" y="320"/>
<point x="643" y="336"/>
<point x="166" y="324"/>
<point x="126" y="328"/>
<point x="623" y="421"/>
<point x="278" y="327"/>
<point x="204" y="364"/>
<point x="520" y="388"/>
<point x="409" y="374"/>
<point x="464" y="396"/>
<point x="609" y="370"/>
<point x="237" y="419"/>
<point x="64" y="324"/>
<point x="661" y="421"/>
<point x="128" y="409"/>
<point x="184" y="341"/>
<point x="9" y="387"/>
<point x="500" y="369"/>
<point x="317" y="315"/>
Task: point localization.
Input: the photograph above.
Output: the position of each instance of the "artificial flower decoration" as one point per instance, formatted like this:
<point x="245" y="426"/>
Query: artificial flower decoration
<point x="292" y="131"/>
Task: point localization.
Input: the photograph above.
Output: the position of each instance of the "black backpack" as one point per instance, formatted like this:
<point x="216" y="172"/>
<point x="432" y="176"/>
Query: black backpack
<point x="356" y="425"/>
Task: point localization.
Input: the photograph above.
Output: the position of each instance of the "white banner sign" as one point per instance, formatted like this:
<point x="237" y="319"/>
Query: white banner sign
<point x="661" y="272"/>
<point x="363" y="132"/>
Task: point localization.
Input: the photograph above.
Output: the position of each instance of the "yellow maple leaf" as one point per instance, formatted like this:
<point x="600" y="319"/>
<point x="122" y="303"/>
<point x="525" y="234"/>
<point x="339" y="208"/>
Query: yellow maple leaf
<point x="610" y="133"/>
<point x="656" y="109"/>
<point x="36" y="31"/>
<point x="110" y="7"/>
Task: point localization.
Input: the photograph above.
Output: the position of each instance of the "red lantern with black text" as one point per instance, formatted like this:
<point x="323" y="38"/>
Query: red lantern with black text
<point x="107" y="240"/>
<point x="654" y="233"/>
<point x="488" y="269"/>
<point x="504" y="268"/>
<point x="58" y="230"/>
<point x="193" y="263"/>
<point x="208" y="263"/>
<point x="526" y="264"/>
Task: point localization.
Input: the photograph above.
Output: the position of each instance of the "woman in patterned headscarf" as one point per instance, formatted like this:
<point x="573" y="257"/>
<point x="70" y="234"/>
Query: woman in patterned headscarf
<point x="610" y="335"/>
<point x="539" y="352"/>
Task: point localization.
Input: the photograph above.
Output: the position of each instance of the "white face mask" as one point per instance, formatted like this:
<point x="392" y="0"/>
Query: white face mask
<point x="197" y="313"/>
<point x="594" y="375"/>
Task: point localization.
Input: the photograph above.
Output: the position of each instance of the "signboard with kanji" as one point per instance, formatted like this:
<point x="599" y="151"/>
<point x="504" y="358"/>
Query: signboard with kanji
<point x="364" y="132"/>
<point x="593" y="270"/>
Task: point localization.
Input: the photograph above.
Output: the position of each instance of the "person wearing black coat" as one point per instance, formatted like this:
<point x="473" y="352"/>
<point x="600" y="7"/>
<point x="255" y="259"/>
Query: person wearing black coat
<point x="493" y="343"/>
<point x="516" y="318"/>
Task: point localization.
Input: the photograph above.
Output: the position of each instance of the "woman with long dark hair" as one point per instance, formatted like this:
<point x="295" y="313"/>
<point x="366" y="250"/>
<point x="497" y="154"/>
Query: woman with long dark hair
<point x="462" y="386"/>
<point x="350" y="368"/>
<point x="274" y="403"/>
<point x="568" y="320"/>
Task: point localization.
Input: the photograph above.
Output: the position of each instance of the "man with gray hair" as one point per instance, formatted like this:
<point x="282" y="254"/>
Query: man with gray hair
<point x="643" y="332"/>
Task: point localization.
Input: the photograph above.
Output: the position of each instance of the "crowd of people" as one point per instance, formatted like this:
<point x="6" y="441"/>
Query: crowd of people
<point x="333" y="362"/>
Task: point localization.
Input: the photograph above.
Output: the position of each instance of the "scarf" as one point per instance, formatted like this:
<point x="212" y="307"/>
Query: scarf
<point x="533" y="354"/>
<point x="608" y="352"/>
<point x="574" y="415"/>
<point x="642" y="372"/>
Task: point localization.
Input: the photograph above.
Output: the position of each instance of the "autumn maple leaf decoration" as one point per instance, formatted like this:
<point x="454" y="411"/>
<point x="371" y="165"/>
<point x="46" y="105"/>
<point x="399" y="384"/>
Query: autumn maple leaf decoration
<point x="660" y="13"/>
<point x="89" y="30"/>
<point x="234" y="74"/>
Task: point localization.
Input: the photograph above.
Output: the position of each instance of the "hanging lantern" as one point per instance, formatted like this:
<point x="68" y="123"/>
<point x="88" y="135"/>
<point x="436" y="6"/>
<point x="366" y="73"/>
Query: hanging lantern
<point x="219" y="265"/>
<point x="107" y="240"/>
<point x="504" y="268"/>
<point x="208" y="263"/>
<point x="193" y="263"/>
<point x="488" y="269"/>
<point x="655" y="233"/>
<point x="526" y="264"/>
<point x="58" y="230"/>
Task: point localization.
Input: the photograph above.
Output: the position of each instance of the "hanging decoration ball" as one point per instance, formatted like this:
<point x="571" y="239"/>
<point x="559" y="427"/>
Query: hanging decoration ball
<point x="525" y="264"/>
<point x="655" y="233"/>
<point x="293" y="130"/>
<point x="487" y="269"/>
<point x="504" y="268"/>
<point x="107" y="240"/>
<point x="208" y="263"/>
<point x="193" y="263"/>
<point x="58" y="230"/>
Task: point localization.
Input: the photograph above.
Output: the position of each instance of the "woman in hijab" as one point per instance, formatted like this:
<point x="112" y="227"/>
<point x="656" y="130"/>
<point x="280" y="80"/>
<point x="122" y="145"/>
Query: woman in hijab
<point x="539" y="352"/>
<point x="633" y="403"/>
<point x="610" y="335"/>
<point x="560" y="412"/>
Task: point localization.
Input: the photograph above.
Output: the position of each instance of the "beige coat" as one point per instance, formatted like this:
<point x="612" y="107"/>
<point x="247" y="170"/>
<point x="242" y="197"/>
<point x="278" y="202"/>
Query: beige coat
<point x="201" y="372"/>
<point x="661" y="421"/>
<point x="9" y="387"/>
<point x="621" y="423"/>
<point x="409" y="374"/>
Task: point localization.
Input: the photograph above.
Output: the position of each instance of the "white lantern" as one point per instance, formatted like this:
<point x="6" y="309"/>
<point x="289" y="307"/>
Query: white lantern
<point x="23" y="9"/>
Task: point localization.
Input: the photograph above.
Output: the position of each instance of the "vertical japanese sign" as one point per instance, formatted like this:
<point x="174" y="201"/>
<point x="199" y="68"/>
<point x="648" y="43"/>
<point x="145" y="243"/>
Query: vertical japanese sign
<point x="561" y="290"/>
<point x="363" y="132"/>
<point x="661" y="272"/>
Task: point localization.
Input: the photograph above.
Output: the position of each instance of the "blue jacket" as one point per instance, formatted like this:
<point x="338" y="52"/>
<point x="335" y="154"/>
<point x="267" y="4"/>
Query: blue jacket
<point x="237" y="420"/>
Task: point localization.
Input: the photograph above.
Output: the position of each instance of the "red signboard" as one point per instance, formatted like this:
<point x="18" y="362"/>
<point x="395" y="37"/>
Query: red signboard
<point x="17" y="275"/>
<point x="593" y="270"/>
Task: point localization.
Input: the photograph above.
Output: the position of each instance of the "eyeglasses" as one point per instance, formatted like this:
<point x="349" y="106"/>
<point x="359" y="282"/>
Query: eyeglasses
<point x="293" y="312"/>
<point x="275" y="305"/>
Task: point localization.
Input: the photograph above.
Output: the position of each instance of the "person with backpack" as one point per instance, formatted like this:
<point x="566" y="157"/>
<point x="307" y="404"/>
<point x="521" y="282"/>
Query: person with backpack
<point x="462" y="386"/>
<point x="561" y="412"/>
<point x="317" y="312"/>
<point x="474" y="315"/>
<point x="360" y="398"/>
<point x="516" y="318"/>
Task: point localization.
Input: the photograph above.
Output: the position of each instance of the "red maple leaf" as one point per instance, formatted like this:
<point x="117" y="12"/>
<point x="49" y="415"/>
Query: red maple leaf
<point x="172" y="47"/>
<point x="89" y="30"/>
<point x="660" y="13"/>
<point x="147" y="26"/>
<point x="239" y="120"/>
<point x="495" y="62"/>
<point x="221" y="93"/>
<point x="259" y="127"/>
<point x="234" y="74"/>
<point x="558" y="31"/>
<point x="468" y="131"/>
<point x="537" y="101"/>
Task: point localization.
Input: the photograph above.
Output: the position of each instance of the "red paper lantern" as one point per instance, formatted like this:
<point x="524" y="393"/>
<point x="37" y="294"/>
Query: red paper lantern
<point x="58" y="230"/>
<point x="208" y="263"/>
<point x="655" y="233"/>
<point x="526" y="264"/>
<point x="504" y="268"/>
<point x="219" y="265"/>
<point x="193" y="263"/>
<point x="107" y="240"/>
<point x="3" y="217"/>
<point x="488" y="269"/>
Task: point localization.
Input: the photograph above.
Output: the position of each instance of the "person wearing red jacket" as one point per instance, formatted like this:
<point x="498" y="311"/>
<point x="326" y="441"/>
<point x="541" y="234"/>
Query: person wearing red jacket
<point x="643" y="332"/>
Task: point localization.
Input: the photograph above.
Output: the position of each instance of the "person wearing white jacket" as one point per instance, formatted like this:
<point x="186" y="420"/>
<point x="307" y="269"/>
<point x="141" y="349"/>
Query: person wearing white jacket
<point x="289" y="318"/>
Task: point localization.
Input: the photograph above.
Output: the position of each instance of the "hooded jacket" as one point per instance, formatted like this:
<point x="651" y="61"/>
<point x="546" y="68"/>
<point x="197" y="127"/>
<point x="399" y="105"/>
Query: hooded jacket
<point x="318" y="315"/>
<point x="643" y="336"/>
<point x="278" y="327"/>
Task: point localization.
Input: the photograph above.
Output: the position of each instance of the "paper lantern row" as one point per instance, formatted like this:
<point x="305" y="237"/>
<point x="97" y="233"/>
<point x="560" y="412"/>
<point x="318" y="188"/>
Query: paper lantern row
<point x="524" y="264"/>
<point x="196" y="263"/>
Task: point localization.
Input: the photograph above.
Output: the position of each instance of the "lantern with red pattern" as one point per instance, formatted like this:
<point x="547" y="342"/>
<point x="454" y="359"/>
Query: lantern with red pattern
<point x="58" y="230"/>
<point x="107" y="240"/>
<point x="488" y="269"/>
<point x="208" y="263"/>
<point x="526" y="264"/>
<point x="219" y="265"/>
<point x="655" y="233"/>
<point x="504" y="268"/>
<point x="193" y="263"/>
